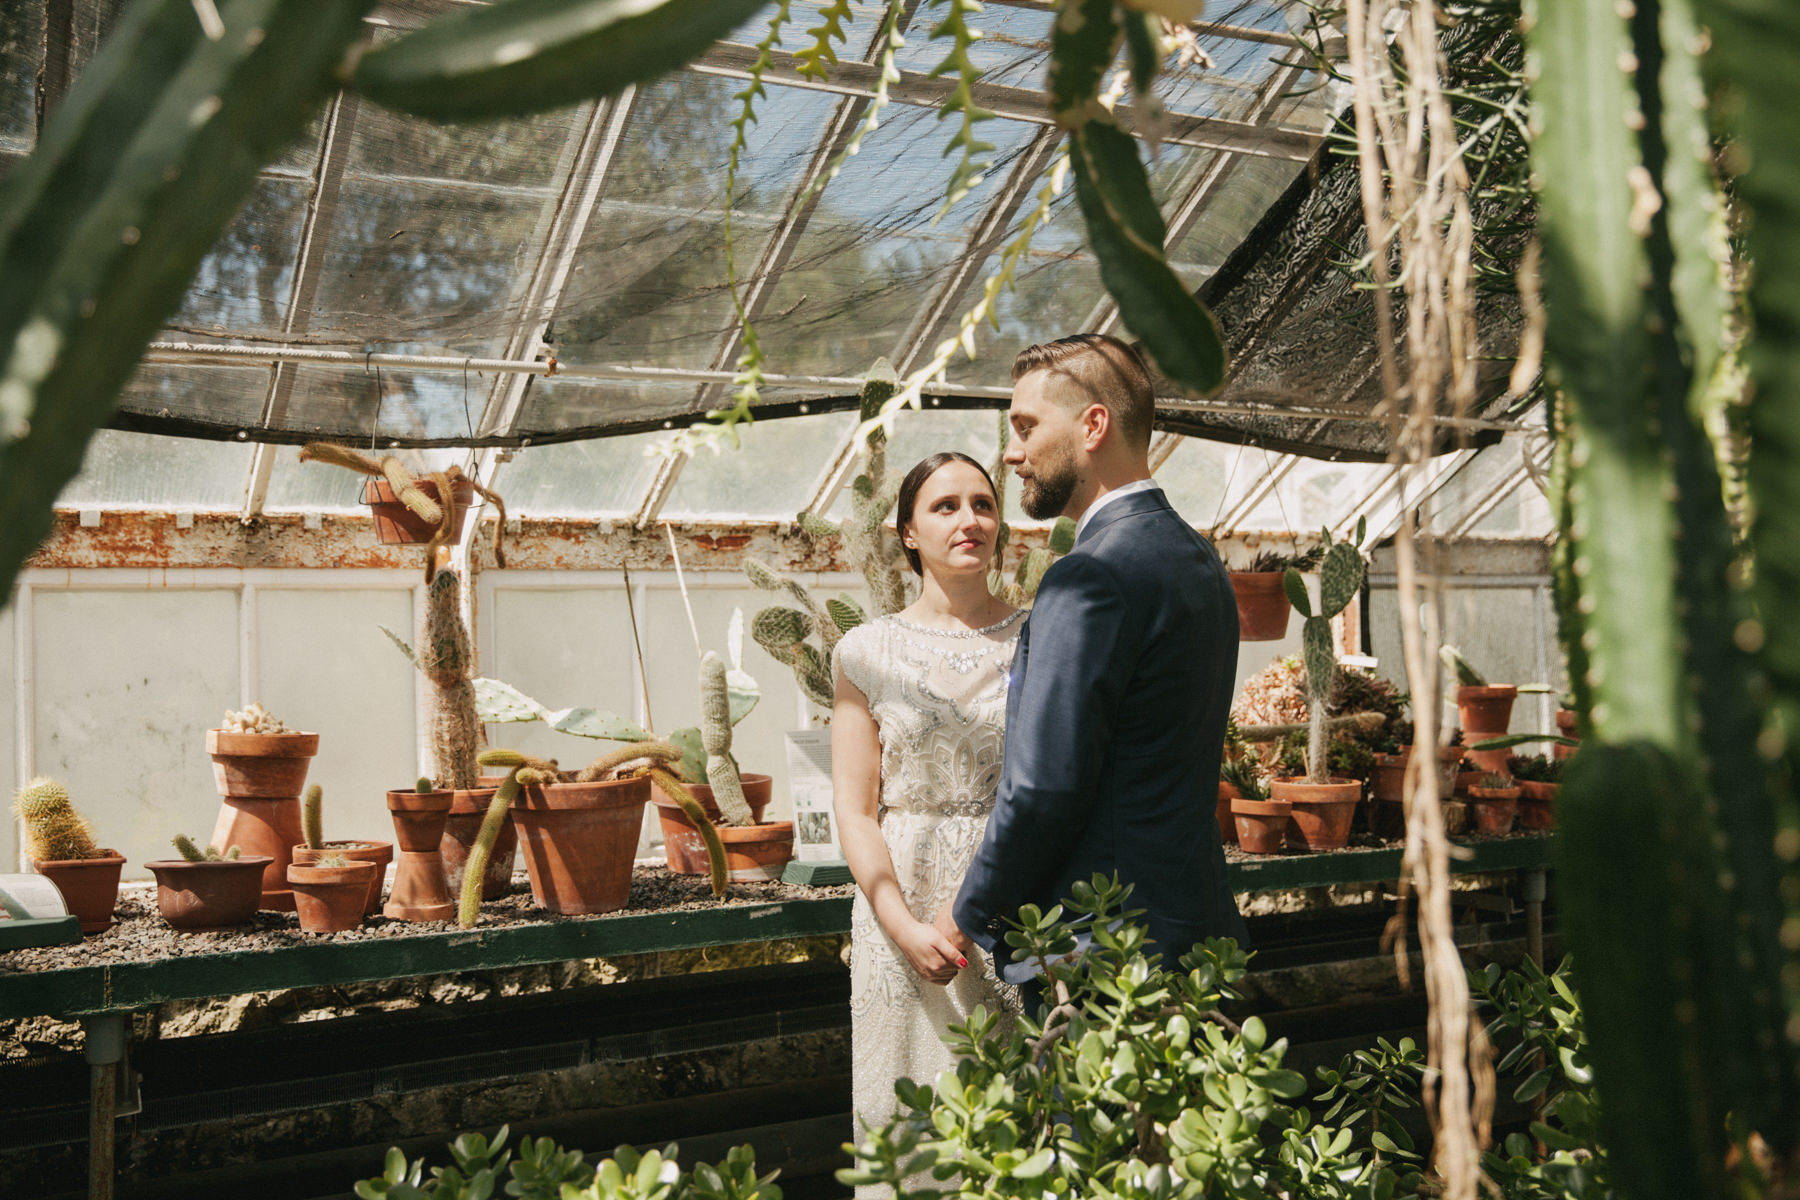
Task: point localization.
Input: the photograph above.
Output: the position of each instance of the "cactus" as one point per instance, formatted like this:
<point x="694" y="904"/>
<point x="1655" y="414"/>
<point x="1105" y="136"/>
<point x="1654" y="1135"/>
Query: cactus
<point x="54" y="831"/>
<point x="446" y="657"/>
<point x="424" y="786"/>
<point x="184" y="846"/>
<point x="612" y="760"/>
<point x="439" y="512"/>
<point x="1340" y="578"/>
<point x="1462" y="668"/>
<point x="468" y="909"/>
<point x="715" y="734"/>
<point x="696" y="813"/>
<point x="1670" y="666"/>
<point x="312" y="817"/>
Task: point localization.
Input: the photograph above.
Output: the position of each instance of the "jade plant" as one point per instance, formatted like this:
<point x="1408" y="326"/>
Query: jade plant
<point x="54" y="830"/>
<point x="1341" y="571"/>
<point x="191" y="852"/>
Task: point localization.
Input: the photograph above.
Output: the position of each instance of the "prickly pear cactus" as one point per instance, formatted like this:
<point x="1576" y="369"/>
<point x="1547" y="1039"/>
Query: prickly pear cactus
<point x="54" y="831"/>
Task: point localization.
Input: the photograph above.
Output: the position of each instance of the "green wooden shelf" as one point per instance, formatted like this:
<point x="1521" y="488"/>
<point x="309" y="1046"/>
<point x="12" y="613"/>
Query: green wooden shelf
<point x="119" y="987"/>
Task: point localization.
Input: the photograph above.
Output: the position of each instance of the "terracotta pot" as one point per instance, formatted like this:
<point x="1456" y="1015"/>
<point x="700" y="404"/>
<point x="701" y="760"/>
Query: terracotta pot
<point x="260" y="765"/>
<point x="1262" y="605"/>
<point x="1495" y="809"/>
<point x="398" y="525"/>
<point x="204" y="897"/>
<point x="89" y="886"/>
<point x="1449" y="759"/>
<point x="1466" y="780"/>
<point x="1485" y="711"/>
<point x="1565" y="725"/>
<point x="1222" y="813"/>
<point x="757" y="853"/>
<point x="330" y="899"/>
<point x="1322" y="812"/>
<point x="379" y="853"/>
<point x="579" y="840"/>
<point x="1387" y="778"/>
<point x="263" y="828"/>
<point x="467" y="810"/>
<point x="1261" y="825"/>
<point x="683" y="847"/>
<point x="1537" y="804"/>
<point x="421" y="891"/>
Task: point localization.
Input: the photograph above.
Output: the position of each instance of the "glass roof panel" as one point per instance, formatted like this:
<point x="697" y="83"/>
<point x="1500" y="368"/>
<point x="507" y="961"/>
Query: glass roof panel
<point x="1493" y="467"/>
<point x="413" y="404"/>
<point x="245" y="280"/>
<point x="147" y="470"/>
<point x="1238" y="200"/>
<point x="1524" y="512"/>
<point x="231" y="394"/>
<point x="768" y="476"/>
<point x="975" y="432"/>
<point x="523" y="152"/>
<point x="1202" y="478"/>
<point x="1013" y="50"/>
<point x="603" y="477"/>
<point x="554" y="403"/>
<point x="295" y="486"/>
<point x="1312" y="495"/>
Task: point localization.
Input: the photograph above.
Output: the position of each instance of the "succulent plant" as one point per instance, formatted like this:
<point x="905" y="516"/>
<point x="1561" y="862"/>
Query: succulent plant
<point x="186" y="847"/>
<point x="1341" y="571"/>
<point x="54" y="831"/>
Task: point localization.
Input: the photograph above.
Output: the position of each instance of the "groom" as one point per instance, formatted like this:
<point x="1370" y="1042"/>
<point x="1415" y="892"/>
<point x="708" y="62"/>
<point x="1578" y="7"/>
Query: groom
<point x="1115" y="716"/>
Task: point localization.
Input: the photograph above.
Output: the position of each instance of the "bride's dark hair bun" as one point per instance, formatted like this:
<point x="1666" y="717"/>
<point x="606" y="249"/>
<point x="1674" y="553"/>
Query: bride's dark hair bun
<point x="915" y="479"/>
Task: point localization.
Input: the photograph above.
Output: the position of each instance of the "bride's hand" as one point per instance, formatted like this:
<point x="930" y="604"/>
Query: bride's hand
<point x="931" y="954"/>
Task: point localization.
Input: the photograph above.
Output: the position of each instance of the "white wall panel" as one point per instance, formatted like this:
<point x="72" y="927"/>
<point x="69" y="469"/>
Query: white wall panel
<point x="9" y="759"/>
<point x="127" y="684"/>
<point x="326" y="667"/>
<point x="1507" y="632"/>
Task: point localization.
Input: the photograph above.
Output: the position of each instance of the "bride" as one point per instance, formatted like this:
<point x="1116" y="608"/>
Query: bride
<point x="917" y="732"/>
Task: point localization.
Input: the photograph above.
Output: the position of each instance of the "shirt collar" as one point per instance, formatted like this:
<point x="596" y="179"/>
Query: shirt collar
<point x="1118" y="493"/>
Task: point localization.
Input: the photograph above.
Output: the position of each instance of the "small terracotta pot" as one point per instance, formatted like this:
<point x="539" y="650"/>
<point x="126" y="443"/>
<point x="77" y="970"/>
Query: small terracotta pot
<point x="379" y="853"/>
<point x="330" y="899"/>
<point x="1387" y="778"/>
<point x="421" y="891"/>
<point x="1565" y="725"/>
<point x="579" y="840"/>
<point x="1495" y="809"/>
<point x="89" y="886"/>
<point x="1261" y="825"/>
<point x="1262" y="605"/>
<point x="1537" y="804"/>
<point x="757" y="853"/>
<point x="1466" y="780"/>
<point x="1322" y="812"/>
<point x="398" y="525"/>
<point x="204" y="897"/>
<point x="1222" y="813"/>
<point x="1485" y="711"/>
<point x="261" y="765"/>
<point x="683" y="847"/>
<point x="467" y="811"/>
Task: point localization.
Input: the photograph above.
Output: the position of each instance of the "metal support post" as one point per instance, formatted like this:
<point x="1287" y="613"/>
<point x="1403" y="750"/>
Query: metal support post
<point x="1535" y="888"/>
<point x="105" y="1037"/>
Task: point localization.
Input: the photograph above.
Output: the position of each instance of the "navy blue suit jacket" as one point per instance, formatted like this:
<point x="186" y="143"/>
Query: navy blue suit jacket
<point x="1115" y="722"/>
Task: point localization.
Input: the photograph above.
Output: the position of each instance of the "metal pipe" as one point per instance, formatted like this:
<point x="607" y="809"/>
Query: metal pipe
<point x="105" y="1049"/>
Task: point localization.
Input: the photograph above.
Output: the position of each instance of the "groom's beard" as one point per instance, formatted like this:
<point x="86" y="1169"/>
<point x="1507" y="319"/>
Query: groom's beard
<point x="1047" y="493"/>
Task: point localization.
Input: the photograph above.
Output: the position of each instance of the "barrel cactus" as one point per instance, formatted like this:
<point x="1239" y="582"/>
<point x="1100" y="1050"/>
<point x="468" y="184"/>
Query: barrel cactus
<point x="54" y="831"/>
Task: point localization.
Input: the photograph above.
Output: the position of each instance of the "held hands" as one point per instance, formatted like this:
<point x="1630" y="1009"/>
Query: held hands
<point x="935" y="957"/>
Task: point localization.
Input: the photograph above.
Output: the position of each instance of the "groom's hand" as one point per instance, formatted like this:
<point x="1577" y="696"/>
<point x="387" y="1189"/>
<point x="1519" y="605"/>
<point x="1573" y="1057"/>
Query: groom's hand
<point x="931" y="954"/>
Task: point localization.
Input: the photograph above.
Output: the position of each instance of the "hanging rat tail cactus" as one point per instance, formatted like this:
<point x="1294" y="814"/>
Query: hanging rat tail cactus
<point x="54" y="831"/>
<point x="715" y="735"/>
<point x="468" y="909"/>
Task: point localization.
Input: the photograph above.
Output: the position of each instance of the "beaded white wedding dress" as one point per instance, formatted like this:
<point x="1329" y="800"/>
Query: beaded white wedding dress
<point x="939" y="700"/>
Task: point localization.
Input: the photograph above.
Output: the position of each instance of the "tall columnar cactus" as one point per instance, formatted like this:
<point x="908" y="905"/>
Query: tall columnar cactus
<point x="715" y="735"/>
<point x="446" y="656"/>
<point x="312" y="817"/>
<point x="1340" y="578"/>
<point x="1671" y="800"/>
<point x="54" y="831"/>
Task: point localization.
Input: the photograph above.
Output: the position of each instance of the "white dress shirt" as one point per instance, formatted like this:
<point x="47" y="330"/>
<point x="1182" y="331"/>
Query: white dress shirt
<point x="1136" y="485"/>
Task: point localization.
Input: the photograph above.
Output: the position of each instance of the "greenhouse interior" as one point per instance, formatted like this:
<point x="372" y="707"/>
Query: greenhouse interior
<point x="641" y="437"/>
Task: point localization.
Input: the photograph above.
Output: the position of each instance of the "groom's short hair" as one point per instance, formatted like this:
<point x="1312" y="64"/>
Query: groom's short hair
<point x="1101" y="370"/>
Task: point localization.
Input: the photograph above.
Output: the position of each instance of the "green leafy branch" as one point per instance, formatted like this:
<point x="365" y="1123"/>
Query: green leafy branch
<point x="972" y="168"/>
<point x="815" y="58"/>
<point x="887" y="72"/>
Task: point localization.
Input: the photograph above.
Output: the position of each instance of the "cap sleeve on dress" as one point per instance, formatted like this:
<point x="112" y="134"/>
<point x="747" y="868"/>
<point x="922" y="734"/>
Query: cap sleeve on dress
<point x="855" y="656"/>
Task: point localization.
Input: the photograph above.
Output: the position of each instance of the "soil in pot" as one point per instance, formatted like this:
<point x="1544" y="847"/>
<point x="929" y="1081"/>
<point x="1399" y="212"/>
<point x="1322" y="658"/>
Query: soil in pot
<point x="757" y="853"/>
<point x="89" y="886"/>
<point x="467" y="808"/>
<point x="1262" y="605"/>
<point x="330" y="899"/>
<point x="1261" y="825"/>
<point x="579" y="840"/>
<point x="683" y="847"/>
<point x="206" y="897"/>
<point x="379" y="853"/>
<point x="1495" y="809"/>
<point x="1322" y="812"/>
<point x="421" y="891"/>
